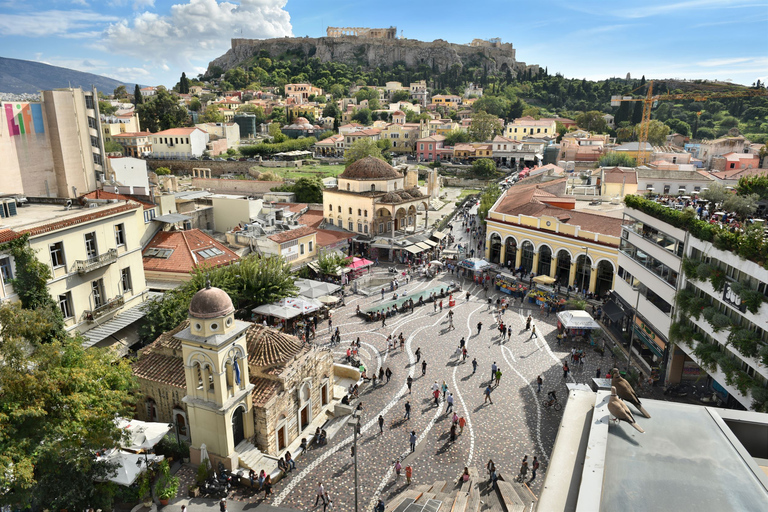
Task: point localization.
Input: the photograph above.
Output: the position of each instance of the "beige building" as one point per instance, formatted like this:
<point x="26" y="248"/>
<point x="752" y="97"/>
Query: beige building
<point x="94" y="253"/>
<point x="135" y="144"/>
<point x="53" y="148"/>
<point x="300" y="93"/>
<point x="119" y="123"/>
<point x="402" y="135"/>
<point x="227" y="131"/>
<point x="296" y="246"/>
<point x="231" y="210"/>
<point x="179" y="143"/>
<point x="244" y="390"/>
<point x="527" y="126"/>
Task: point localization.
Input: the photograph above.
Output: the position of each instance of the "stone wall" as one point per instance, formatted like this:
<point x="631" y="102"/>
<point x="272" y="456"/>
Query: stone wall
<point x="373" y="53"/>
<point x="246" y="187"/>
<point x="465" y="183"/>
<point x="217" y="168"/>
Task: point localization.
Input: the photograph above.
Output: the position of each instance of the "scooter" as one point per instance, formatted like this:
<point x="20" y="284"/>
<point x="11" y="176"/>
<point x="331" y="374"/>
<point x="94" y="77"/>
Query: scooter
<point x="213" y="488"/>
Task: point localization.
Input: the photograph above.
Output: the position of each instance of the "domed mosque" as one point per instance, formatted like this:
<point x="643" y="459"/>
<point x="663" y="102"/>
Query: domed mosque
<point x="239" y="389"/>
<point x="373" y="199"/>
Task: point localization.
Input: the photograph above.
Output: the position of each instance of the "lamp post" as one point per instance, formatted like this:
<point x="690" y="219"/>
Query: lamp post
<point x="632" y="331"/>
<point x="354" y="422"/>
<point x="583" y="272"/>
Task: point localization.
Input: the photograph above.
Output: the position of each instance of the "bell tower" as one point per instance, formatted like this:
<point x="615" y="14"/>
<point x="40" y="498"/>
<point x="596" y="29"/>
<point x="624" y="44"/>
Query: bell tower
<point x="219" y="404"/>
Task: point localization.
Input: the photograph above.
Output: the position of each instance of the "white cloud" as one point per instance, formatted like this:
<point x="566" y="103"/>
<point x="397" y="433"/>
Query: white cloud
<point x="724" y="62"/>
<point x="143" y="4"/>
<point x="197" y="30"/>
<point x="84" y="3"/>
<point x="50" y="23"/>
<point x="647" y="10"/>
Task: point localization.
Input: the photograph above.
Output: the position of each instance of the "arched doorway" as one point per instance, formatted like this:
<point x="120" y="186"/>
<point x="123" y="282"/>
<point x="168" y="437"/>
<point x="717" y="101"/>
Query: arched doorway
<point x="305" y="407"/>
<point x="527" y="258"/>
<point x="545" y="261"/>
<point x="383" y="221"/>
<point x="563" y="267"/>
<point x="282" y="433"/>
<point x="238" y="425"/>
<point x="511" y="251"/>
<point x="400" y="219"/>
<point x="583" y="271"/>
<point x="605" y="276"/>
<point x="495" y="248"/>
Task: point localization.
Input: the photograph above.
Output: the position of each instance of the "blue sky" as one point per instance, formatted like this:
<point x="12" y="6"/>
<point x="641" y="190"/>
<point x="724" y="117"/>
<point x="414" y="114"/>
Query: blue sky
<point x="153" y="41"/>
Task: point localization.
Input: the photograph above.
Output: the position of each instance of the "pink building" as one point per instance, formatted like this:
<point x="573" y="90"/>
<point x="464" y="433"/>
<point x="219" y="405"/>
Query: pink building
<point x="427" y="148"/>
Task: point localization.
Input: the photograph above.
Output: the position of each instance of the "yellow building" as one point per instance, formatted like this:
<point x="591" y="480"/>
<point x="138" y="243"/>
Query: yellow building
<point x="632" y="149"/>
<point x="525" y="127"/>
<point x="535" y="227"/>
<point x="446" y="100"/>
<point x="297" y="246"/>
<point x="403" y="136"/>
<point x="116" y="124"/>
<point x="618" y="182"/>
<point x="301" y="92"/>
<point x="302" y="110"/>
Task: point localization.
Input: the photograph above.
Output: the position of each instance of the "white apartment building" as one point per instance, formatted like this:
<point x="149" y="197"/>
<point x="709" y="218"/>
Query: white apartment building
<point x="94" y="253"/>
<point x="179" y="143"/>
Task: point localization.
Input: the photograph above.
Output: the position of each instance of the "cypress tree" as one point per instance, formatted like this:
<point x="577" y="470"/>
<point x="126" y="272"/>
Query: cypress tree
<point x="137" y="99"/>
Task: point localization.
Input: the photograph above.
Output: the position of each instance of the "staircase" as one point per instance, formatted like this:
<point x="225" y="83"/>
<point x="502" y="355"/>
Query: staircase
<point x="249" y="456"/>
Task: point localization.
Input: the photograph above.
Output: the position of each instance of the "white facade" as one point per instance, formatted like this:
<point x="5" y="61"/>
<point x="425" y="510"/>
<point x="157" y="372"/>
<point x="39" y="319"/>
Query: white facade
<point x="129" y="172"/>
<point x="229" y="211"/>
<point x="229" y="131"/>
<point x="179" y="143"/>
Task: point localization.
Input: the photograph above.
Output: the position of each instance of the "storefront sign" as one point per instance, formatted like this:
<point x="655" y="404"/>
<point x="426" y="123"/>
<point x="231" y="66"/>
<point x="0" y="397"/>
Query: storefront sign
<point x="649" y="336"/>
<point x="732" y="298"/>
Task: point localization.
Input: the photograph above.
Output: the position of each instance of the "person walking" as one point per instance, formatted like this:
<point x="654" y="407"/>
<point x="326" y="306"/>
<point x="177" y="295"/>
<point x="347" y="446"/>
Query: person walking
<point x="408" y="474"/>
<point x="267" y="486"/>
<point x="434" y="305"/>
<point x="410" y="383"/>
<point x="407" y="411"/>
<point x="474" y="365"/>
<point x="533" y="333"/>
<point x="479" y="327"/>
<point x="381" y="424"/>
<point x="330" y="324"/>
<point x="528" y="323"/>
<point x="523" y="470"/>
<point x="449" y="400"/>
<point x="436" y="395"/>
<point x="539" y="382"/>
<point x="380" y="506"/>
<point x="498" y="377"/>
<point x="320" y="492"/>
<point x="462" y="423"/>
<point x="424" y="367"/>
<point x="463" y="354"/>
<point x="383" y="320"/>
<point x="388" y="374"/>
<point x="565" y="370"/>
<point x="418" y="354"/>
<point x="412" y="440"/>
<point x="488" y="390"/>
<point x="453" y="432"/>
<point x="493" y="370"/>
<point x="534" y="467"/>
<point x="398" y="468"/>
<point x="444" y="389"/>
<point x="598" y="373"/>
<point x="382" y="294"/>
<point x="223" y="505"/>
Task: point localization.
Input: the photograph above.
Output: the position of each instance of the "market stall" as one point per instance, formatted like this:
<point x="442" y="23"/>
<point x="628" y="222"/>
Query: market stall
<point x="575" y="324"/>
<point x="508" y="283"/>
<point x="359" y="265"/>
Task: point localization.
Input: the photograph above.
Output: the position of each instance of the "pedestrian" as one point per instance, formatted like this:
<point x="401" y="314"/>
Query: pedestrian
<point x="455" y="418"/>
<point x="493" y="370"/>
<point x="453" y="433"/>
<point x="528" y="323"/>
<point x="565" y="370"/>
<point x="382" y="294"/>
<point x="462" y="423"/>
<point x="410" y="383"/>
<point x="398" y="467"/>
<point x="479" y="327"/>
<point x="408" y="473"/>
<point x="523" y="469"/>
<point x="539" y="382"/>
<point x="533" y="332"/>
<point x="418" y="354"/>
<point x="327" y="501"/>
<point x="252" y="477"/>
<point x="534" y="467"/>
<point x="488" y="394"/>
<point x="407" y="411"/>
<point x="381" y="424"/>
<point x="383" y="320"/>
<point x="450" y="403"/>
<point x="434" y="305"/>
<point x="441" y="306"/>
<point x="464" y="354"/>
<point x="474" y="365"/>
<point x="444" y="389"/>
<point x="424" y="367"/>
<point x="380" y="506"/>
<point x="320" y="492"/>
<point x="267" y="486"/>
<point x="412" y="440"/>
<point x="598" y="373"/>
<point x="388" y="373"/>
<point x="436" y="394"/>
<point x="330" y="324"/>
<point x="498" y="377"/>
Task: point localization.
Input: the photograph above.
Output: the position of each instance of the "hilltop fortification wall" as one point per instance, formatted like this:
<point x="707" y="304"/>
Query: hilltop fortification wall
<point x="375" y="52"/>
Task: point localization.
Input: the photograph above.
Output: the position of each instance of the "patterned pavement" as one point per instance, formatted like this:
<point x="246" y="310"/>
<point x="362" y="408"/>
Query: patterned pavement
<point x="513" y="426"/>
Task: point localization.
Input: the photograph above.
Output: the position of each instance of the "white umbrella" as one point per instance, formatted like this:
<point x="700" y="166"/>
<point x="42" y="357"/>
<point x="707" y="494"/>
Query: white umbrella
<point x="203" y="453"/>
<point x="313" y="289"/>
<point x="435" y="262"/>
<point x="129" y="465"/>
<point x="144" y="434"/>
<point x="328" y="299"/>
<point x="303" y="304"/>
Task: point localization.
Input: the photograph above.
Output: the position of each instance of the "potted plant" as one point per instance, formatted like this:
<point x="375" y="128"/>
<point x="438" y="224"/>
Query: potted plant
<point x="167" y="485"/>
<point x="202" y="476"/>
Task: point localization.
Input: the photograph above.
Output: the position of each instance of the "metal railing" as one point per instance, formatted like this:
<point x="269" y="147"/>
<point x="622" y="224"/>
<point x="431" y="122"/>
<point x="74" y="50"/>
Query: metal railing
<point x="105" y="308"/>
<point x="85" y="266"/>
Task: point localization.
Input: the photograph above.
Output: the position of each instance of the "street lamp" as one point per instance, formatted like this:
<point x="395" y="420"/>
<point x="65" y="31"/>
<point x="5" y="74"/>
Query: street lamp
<point x="583" y="271"/>
<point x="354" y="422"/>
<point x="635" y="289"/>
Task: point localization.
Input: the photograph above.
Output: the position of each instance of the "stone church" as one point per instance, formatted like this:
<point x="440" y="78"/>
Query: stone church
<point x="235" y="386"/>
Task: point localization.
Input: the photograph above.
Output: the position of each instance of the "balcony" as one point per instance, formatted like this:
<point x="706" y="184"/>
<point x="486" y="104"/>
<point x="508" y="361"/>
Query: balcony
<point x="105" y="308"/>
<point x="102" y="260"/>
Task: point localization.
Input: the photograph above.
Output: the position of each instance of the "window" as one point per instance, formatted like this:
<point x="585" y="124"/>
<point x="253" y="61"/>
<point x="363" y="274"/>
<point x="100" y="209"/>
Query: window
<point x="350" y="210"/>
<point x="65" y="305"/>
<point x="359" y="227"/>
<point x="90" y="245"/>
<point x="359" y="212"/>
<point x="91" y="122"/>
<point x="97" y="159"/>
<point x="421" y="147"/>
<point x="97" y="289"/>
<point x="210" y="252"/>
<point x="538" y="130"/>
<point x="340" y="223"/>
<point x="339" y="208"/>
<point x="94" y="141"/>
<point x="89" y="102"/>
<point x="125" y="280"/>
<point x="330" y="207"/>
<point x="310" y="246"/>
<point x="57" y="255"/>
<point x="6" y="270"/>
<point x="365" y="213"/>
<point x="373" y="188"/>
<point x="155" y="252"/>
<point x="350" y="226"/>
<point x="149" y="215"/>
<point x="365" y="229"/>
<point x="301" y="248"/>
<point x="119" y="234"/>
<point x="347" y="186"/>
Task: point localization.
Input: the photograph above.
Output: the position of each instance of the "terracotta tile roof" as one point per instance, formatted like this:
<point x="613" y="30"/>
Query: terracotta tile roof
<point x="103" y="194"/>
<point x="86" y="217"/>
<point x="326" y="237"/>
<point x="263" y="390"/>
<point x="292" y="234"/>
<point x="732" y="174"/>
<point x="6" y="235"/>
<point x="186" y="246"/>
<point x="312" y="218"/>
<point x="370" y="168"/>
<point x="161" y="368"/>
<point x="132" y="134"/>
<point x="616" y="175"/>
<point x="269" y="347"/>
<point x="178" y="131"/>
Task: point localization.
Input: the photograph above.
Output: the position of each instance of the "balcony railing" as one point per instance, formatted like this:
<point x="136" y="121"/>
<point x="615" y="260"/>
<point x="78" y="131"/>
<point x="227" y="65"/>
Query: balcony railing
<point x="85" y="266"/>
<point x="105" y="308"/>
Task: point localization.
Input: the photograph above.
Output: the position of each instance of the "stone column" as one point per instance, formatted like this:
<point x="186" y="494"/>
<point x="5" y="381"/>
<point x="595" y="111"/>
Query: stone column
<point x="503" y="254"/>
<point x="572" y="273"/>
<point x="553" y="268"/>
<point x="592" y="279"/>
<point x="535" y="267"/>
<point x="518" y="257"/>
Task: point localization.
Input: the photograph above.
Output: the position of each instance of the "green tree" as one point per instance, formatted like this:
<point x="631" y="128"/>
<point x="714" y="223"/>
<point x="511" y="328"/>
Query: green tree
<point x="308" y="190"/>
<point x="729" y="122"/>
<point x="331" y="110"/>
<point x="373" y="104"/>
<point x="362" y="116"/>
<point x="162" y="171"/>
<point x="183" y="84"/>
<point x="757" y="184"/>
<point x="330" y="262"/>
<point x="487" y="200"/>
<point x="261" y="116"/>
<point x="705" y="133"/>
<point x="400" y="96"/>
<point x="483" y="168"/>
<point x="456" y="136"/>
<point x="57" y="409"/>
<point x="657" y="132"/>
<point x="592" y="121"/>
<point x="195" y="105"/>
<point x="614" y="159"/>
<point x="120" y="92"/>
<point x="212" y="115"/>
<point x="743" y="206"/>
<point x="111" y="146"/>
<point x="106" y="108"/>
<point x="484" y="126"/>
<point x="715" y="195"/>
<point x="625" y="134"/>
<point x="679" y="126"/>
<point x="138" y="99"/>
<point x="495" y="105"/>
<point x="236" y="77"/>
<point x="162" y="112"/>
<point x="362" y="148"/>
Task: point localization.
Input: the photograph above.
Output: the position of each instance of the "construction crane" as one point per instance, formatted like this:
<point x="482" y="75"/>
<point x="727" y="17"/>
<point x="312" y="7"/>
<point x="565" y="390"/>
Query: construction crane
<point x="650" y="100"/>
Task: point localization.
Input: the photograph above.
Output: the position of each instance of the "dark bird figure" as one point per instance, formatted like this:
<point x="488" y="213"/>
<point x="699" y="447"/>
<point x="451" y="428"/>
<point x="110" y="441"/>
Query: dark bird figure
<point x="626" y="392"/>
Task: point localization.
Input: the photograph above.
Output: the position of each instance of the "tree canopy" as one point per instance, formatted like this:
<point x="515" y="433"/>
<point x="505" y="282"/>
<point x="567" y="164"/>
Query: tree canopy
<point x="484" y="126"/>
<point x="362" y="148"/>
<point x="162" y="112"/>
<point x="483" y="168"/>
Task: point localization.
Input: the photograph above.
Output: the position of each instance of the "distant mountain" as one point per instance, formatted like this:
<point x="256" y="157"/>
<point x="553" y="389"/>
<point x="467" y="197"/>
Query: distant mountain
<point x="24" y="76"/>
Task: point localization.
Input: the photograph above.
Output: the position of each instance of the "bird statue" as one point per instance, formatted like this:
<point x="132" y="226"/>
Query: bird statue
<point x="626" y="392"/>
<point x="620" y="411"/>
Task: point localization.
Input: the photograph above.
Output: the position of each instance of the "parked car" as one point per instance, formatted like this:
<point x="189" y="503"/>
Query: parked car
<point x="244" y="159"/>
<point x="207" y="158"/>
<point x="231" y="159"/>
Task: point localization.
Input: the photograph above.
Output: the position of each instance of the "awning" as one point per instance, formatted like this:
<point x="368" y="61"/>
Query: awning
<point x="413" y="249"/>
<point x="430" y="243"/>
<point x="438" y="235"/>
<point x="382" y="244"/>
<point x="286" y="313"/>
<point x="121" y="321"/>
<point x="423" y="246"/>
<point x="613" y="311"/>
<point x="172" y="218"/>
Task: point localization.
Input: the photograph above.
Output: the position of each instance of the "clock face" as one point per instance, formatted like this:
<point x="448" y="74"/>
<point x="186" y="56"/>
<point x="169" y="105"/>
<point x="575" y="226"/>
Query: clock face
<point x="549" y="223"/>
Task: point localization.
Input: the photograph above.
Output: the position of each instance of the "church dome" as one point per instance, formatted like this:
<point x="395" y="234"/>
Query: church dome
<point x="210" y="302"/>
<point x="370" y="168"/>
<point x="391" y="197"/>
<point x="415" y="192"/>
<point x="269" y="347"/>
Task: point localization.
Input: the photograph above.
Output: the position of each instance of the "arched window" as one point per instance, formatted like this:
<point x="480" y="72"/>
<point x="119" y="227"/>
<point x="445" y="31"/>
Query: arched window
<point x="210" y="378"/>
<point x="359" y="212"/>
<point x="339" y="208"/>
<point x="347" y="186"/>
<point x="199" y="373"/>
<point x="366" y="213"/>
<point x="350" y="210"/>
<point x="181" y="424"/>
<point x="330" y="207"/>
<point x="373" y="187"/>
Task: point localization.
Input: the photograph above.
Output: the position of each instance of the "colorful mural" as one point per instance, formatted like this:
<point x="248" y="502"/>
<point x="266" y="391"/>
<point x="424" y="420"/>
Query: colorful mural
<point x="24" y="118"/>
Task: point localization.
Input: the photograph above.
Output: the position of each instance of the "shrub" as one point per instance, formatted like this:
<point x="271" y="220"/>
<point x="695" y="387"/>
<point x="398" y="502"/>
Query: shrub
<point x="745" y="341"/>
<point x="717" y="279"/>
<point x="162" y="171"/>
<point x="752" y="299"/>
<point x="202" y="472"/>
<point x="704" y="271"/>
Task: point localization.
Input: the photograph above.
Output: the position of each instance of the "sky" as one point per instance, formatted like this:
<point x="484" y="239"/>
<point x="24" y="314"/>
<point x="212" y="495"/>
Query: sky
<point x="152" y="41"/>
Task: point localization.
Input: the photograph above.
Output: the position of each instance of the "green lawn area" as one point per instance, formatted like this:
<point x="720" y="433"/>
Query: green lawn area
<point x="321" y="171"/>
<point x="467" y="192"/>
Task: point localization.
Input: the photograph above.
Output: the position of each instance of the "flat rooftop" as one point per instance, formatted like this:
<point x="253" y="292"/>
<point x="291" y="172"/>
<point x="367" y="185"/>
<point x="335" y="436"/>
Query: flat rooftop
<point x="36" y="215"/>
